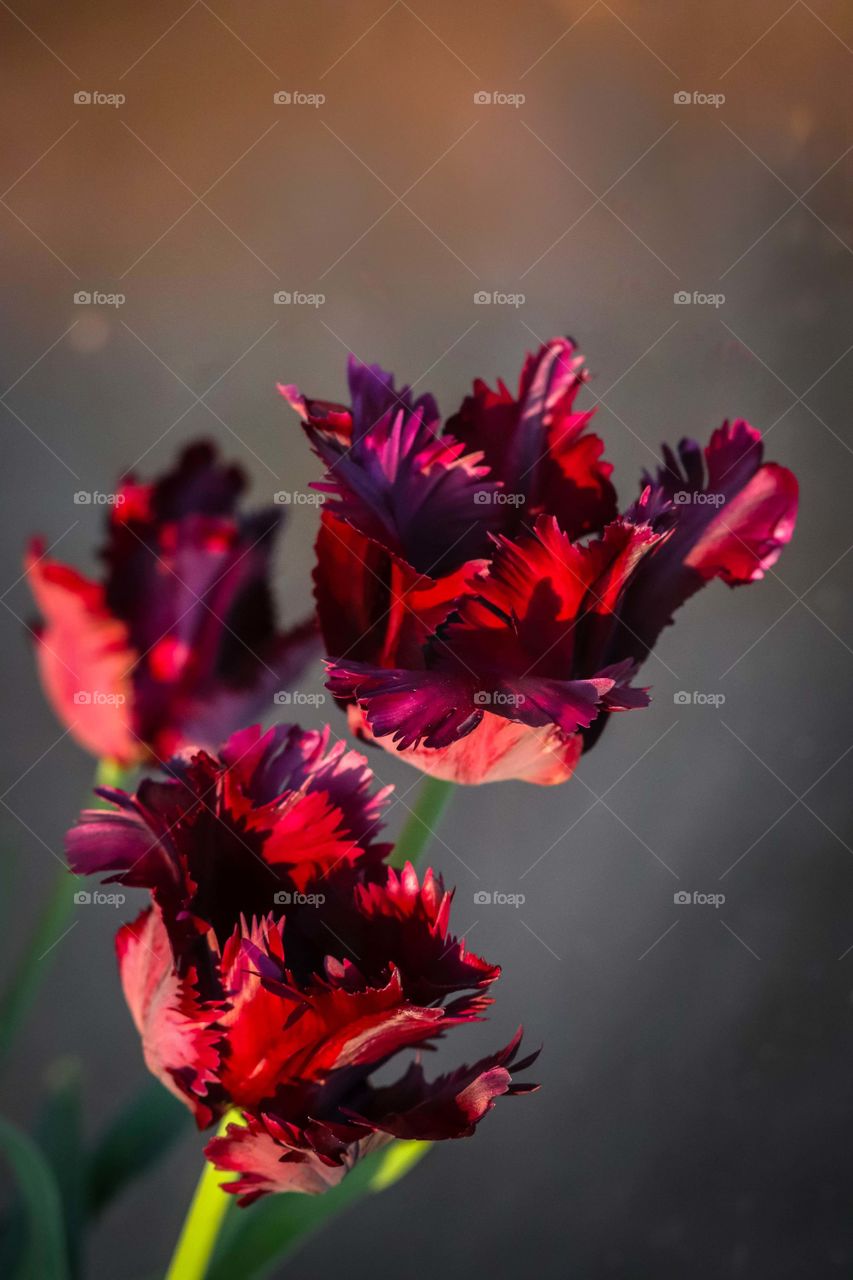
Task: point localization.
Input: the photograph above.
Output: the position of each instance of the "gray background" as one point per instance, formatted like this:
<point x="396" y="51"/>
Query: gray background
<point x="696" y="1104"/>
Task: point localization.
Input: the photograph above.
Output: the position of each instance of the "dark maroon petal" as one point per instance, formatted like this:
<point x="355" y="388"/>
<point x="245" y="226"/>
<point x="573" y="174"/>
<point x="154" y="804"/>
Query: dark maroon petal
<point x="373" y="394"/>
<point x="405" y="921"/>
<point x="450" y="1106"/>
<point x="118" y="840"/>
<point x="536" y="444"/>
<point x="730" y="517"/>
<point x="419" y="496"/>
<point x="274" y="813"/>
<point x="433" y="707"/>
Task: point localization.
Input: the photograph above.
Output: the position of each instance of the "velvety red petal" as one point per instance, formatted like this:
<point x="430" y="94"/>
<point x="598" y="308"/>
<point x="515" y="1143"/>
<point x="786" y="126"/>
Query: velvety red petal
<point x="180" y="1040"/>
<point x="85" y="659"/>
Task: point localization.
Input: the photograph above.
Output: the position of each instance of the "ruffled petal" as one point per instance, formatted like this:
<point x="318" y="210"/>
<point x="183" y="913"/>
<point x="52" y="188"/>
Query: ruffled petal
<point x="537" y="445"/>
<point x="180" y="1038"/>
<point x="498" y="750"/>
<point x="730" y="516"/>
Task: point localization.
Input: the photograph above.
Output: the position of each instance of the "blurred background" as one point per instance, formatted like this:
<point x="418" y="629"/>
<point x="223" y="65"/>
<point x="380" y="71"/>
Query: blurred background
<point x="696" y="1106"/>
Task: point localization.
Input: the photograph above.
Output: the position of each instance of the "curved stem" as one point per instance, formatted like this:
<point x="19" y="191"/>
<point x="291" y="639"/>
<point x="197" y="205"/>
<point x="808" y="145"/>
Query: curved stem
<point x="431" y="801"/>
<point x="51" y="927"/>
<point x="205" y="1217"/>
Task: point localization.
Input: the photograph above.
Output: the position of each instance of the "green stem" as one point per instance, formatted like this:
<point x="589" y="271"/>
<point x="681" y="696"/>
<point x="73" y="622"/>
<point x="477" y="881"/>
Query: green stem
<point x="432" y="799"/>
<point x="204" y="1219"/>
<point x="50" y="927"/>
<point x="275" y="1228"/>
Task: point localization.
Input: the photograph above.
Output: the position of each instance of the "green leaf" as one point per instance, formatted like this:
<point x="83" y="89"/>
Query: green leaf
<point x="59" y="1133"/>
<point x="395" y="1161"/>
<point x="52" y="925"/>
<point x="37" y="957"/>
<point x="44" y="1256"/>
<point x="138" y="1137"/>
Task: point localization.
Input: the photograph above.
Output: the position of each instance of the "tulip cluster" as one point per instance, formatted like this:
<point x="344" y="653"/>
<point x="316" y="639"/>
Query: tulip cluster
<point x="484" y="605"/>
<point x="282" y="962"/>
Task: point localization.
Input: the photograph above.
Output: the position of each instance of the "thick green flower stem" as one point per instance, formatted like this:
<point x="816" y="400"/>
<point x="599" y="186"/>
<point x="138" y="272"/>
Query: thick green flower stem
<point x="205" y="1216"/>
<point x="431" y="801"/>
<point x="52" y="924"/>
<point x="272" y="1231"/>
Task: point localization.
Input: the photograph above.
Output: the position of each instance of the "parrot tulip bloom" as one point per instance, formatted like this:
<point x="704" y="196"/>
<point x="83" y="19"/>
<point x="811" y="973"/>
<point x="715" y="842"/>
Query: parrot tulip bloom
<point x="282" y="962"/>
<point x="177" y="645"/>
<point x="484" y="605"/>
